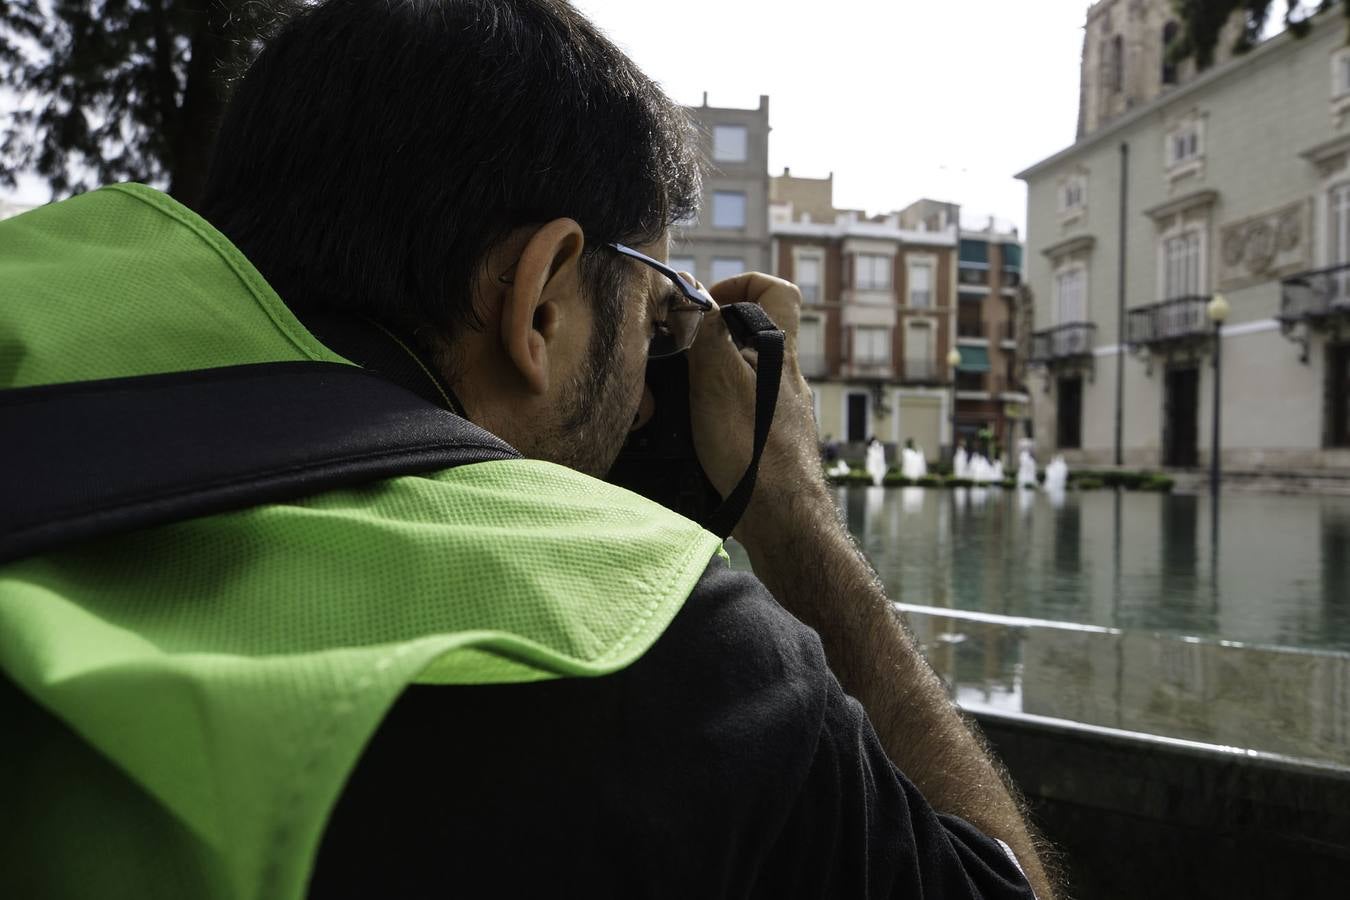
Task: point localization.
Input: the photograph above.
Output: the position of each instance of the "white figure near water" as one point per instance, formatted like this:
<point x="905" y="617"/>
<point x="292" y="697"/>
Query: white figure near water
<point x="996" y="474"/>
<point x="1056" y="475"/>
<point x="982" y="472"/>
<point x="960" y="463"/>
<point x="912" y="464"/>
<point x="876" y="461"/>
<point x="1026" y="470"/>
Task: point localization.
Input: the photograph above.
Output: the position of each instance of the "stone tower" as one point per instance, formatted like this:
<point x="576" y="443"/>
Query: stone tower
<point x="1125" y="61"/>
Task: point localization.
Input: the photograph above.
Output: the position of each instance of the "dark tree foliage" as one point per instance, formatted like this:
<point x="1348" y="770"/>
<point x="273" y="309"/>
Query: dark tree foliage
<point x="113" y="90"/>
<point x="1202" y="23"/>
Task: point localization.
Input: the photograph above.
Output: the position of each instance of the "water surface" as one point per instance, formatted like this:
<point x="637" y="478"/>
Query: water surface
<point x="1129" y="610"/>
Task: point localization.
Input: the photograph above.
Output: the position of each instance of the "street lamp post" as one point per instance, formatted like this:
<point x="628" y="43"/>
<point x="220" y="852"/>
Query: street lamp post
<point x="1217" y="310"/>
<point x="954" y="360"/>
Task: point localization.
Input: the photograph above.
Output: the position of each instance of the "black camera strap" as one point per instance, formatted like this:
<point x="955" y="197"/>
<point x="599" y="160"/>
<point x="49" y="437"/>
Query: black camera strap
<point x="750" y="326"/>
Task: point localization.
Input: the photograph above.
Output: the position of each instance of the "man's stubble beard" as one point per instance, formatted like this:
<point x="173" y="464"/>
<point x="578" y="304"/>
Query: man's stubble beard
<point x="600" y="410"/>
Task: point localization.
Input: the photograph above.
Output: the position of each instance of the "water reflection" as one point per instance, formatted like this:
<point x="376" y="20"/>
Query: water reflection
<point x="1128" y="610"/>
<point x="1291" y="702"/>
<point x="1279" y="573"/>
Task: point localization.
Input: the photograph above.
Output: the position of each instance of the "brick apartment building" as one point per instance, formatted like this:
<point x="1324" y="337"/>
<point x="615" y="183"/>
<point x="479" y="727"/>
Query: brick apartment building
<point x="878" y="315"/>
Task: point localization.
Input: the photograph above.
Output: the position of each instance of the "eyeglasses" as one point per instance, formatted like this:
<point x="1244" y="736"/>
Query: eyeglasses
<point x="683" y="313"/>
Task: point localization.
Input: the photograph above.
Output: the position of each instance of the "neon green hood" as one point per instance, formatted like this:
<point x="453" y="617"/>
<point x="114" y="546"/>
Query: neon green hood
<point x="219" y="677"/>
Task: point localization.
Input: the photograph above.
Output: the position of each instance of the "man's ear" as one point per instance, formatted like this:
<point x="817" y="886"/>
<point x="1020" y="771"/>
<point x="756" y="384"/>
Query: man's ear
<point x="541" y="297"/>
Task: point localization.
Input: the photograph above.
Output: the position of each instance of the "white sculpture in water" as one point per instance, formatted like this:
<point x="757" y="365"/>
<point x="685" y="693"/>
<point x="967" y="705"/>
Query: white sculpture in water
<point x="1056" y="475"/>
<point x="960" y="463"/>
<point x="996" y="474"/>
<point x="912" y="464"/>
<point x="979" y="469"/>
<point x="876" y="461"/>
<point x="1026" y="470"/>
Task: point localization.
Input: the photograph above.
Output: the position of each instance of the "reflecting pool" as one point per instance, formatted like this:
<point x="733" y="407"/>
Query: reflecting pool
<point x="1129" y="610"/>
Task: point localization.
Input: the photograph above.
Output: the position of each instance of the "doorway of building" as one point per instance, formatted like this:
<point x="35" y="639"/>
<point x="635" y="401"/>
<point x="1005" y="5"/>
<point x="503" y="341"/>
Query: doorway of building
<point x="857" y="419"/>
<point x="1181" y="411"/>
<point x="1338" y="396"/>
<point x="1069" y="413"/>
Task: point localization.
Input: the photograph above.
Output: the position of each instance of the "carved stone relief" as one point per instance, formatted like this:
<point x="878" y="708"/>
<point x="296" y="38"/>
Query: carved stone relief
<point x="1265" y="247"/>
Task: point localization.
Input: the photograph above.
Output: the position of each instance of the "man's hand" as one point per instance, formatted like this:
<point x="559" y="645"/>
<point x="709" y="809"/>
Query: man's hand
<point x="722" y="409"/>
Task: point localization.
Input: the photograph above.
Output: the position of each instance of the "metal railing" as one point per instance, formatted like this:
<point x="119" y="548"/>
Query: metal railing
<point x="927" y="371"/>
<point x="1067" y="341"/>
<point x="1008" y="331"/>
<point x="1170" y="320"/>
<point x="1315" y="294"/>
<point x="971" y="327"/>
<point x="972" y="276"/>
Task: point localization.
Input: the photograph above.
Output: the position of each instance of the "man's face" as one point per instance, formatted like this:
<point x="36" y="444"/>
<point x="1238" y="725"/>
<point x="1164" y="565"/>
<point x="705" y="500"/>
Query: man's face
<point x="602" y="400"/>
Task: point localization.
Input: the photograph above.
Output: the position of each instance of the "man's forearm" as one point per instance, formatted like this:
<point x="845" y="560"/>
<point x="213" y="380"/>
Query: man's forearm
<point x="812" y="566"/>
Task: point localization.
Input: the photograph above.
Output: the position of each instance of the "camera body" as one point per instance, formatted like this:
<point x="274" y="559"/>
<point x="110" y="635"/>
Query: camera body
<point x="658" y="460"/>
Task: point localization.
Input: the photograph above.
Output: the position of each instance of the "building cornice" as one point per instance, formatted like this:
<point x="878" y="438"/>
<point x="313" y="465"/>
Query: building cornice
<point x="834" y="230"/>
<point x="1076" y="244"/>
<point x="1181" y="204"/>
<point x="1327" y="150"/>
<point x="1280" y="42"/>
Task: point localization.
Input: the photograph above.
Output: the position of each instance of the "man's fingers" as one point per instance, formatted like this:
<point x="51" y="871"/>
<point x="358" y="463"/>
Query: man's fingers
<point x="780" y="300"/>
<point x="713" y="351"/>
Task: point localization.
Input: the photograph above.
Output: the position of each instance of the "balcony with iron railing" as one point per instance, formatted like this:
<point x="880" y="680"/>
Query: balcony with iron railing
<point x="972" y="277"/>
<point x="1071" y="340"/>
<point x="969" y="326"/>
<point x="1179" y="319"/>
<point x="923" y="371"/>
<point x="987" y="383"/>
<point x="1316" y="295"/>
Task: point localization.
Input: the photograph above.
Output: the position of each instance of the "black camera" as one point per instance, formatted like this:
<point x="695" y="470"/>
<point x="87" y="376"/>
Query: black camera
<point x="659" y="462"/>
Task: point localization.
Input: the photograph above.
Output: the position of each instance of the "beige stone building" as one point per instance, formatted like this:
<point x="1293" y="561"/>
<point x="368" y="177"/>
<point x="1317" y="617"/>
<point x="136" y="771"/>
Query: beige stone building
<point x="878" y="316"/>
<point x="1183" y="185"/>
<point x="731" y="234"/>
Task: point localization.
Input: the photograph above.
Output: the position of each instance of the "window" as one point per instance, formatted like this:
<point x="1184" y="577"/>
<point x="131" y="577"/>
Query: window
<point x="1340" y="73"/>
<point x="683" y="264"/>
<point x="729" y="143"/>
<point x="724" y="267"/>
<point x="920" y="285"/>
<point x="1169" y="69"/>
<point x="1117" y="69"/>
<point x="919" y="365"/>
<point x="1073" y="194"/>
<point x="1184" y="144"/>
<point x="728" y="209"/>
<point x="1181" y="265"/>
<point x="872" y="272"/>
<point x="872" y="346"/>
<point x="1338" y="216"/>
<point x="1071" y="295"/>
<point x="808" y="278"/>
<point x="811" y="346"/>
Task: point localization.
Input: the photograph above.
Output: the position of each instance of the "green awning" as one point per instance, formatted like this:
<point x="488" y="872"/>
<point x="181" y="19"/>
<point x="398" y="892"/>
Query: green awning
<point x="973" y="251"/>
<point x="974" y="359"/>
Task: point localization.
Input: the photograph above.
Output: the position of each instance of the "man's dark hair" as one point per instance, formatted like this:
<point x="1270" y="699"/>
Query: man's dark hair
<point x="375" y="151"/>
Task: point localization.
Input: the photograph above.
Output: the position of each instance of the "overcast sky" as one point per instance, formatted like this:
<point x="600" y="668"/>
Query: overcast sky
<point x="901" y="100"/>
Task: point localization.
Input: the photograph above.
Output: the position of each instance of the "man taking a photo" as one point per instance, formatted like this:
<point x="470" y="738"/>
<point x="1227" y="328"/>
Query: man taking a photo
<point x="505" y="676"/>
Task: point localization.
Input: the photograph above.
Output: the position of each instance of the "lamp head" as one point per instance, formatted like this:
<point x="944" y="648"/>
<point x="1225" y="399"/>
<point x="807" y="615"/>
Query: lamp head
<point x="954" y="358"/>
<point x="1217" y="309"/>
